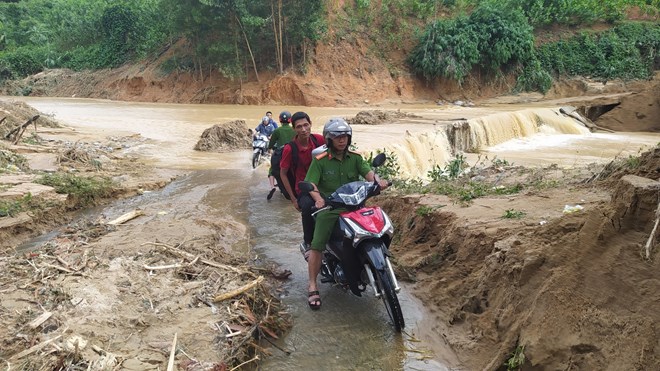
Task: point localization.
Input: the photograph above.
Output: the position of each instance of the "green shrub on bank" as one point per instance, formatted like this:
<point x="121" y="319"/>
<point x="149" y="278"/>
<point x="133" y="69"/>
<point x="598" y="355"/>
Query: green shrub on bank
<point x="542" y="13"/>
<point x="491" y="38"/>
<point x="628" y="51"/>
<point x="84" y="190"/>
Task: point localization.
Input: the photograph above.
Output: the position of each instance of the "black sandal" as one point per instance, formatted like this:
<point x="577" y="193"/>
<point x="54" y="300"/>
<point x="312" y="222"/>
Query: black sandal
<point x="314" y="303"/>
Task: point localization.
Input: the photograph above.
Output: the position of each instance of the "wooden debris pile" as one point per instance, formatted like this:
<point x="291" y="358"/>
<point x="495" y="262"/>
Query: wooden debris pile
<point x="239" y="295"/>
<point x="246" y="315"/>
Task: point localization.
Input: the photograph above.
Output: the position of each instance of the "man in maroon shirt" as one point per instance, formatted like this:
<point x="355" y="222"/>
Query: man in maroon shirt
<point x="296" y="158"/>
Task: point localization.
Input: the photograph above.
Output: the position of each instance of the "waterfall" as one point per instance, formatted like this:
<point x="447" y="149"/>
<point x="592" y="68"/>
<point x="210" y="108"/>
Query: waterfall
<point x="494" y="129"/>
<point x="419" y="153"/>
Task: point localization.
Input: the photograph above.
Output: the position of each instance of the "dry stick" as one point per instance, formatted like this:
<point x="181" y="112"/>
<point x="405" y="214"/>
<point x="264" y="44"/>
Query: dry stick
<point x="155" y="268"/>
<point x="272" y="343"/>
<point x="238" y="291"/>
<point x="20" y="128"/>
<point x="170" y="364"/>
<point x="35" y="348"/>
<point x="39" y="320"/>
<point x="192" y="257"/>
<point x="652" y="236"/>
<point x="256" y="358"/>
<point x="126" y="217"/>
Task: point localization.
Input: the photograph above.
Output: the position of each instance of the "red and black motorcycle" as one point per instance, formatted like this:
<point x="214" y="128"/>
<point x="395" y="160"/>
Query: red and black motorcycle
<point x="357" y="253"/>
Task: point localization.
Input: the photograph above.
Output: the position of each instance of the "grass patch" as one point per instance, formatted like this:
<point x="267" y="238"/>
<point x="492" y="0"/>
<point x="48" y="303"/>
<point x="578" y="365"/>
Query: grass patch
<point x="84" y="190"/>
<point x="517" y="359"/>
<point x="10" y="161"/>
<point x="12" y="208"/>
<point x="426" y="210"/>
<point x="513" y="214"/>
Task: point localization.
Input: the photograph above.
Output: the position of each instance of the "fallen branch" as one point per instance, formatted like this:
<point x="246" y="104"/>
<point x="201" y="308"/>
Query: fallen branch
<point x="39" y="320"/>
<point x="170" y="364"/>
<point x="256" y="358"/>
<point x="238" y="291"/>
<point x="126" y="217"/>
<point x="19" y="130"/>
<point x="34" y="348"/>
<point x="155" y="268"/>
<point x="192" y="257"/>
<point x="651" y="239"/>
<point x="59" y="268"/>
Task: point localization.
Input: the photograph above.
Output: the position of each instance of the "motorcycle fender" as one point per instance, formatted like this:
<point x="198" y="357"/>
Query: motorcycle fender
<point x="376" y="255"/>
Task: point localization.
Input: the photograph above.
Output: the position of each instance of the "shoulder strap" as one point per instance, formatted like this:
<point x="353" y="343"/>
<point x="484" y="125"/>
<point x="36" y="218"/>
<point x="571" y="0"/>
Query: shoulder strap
<point x="321" y="155"/>
<point x="294" y="155"/>
<point x="294" y="151"/>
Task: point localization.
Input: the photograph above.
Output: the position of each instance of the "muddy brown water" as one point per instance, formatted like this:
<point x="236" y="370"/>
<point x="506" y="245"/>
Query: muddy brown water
<point x="349" y="332"/>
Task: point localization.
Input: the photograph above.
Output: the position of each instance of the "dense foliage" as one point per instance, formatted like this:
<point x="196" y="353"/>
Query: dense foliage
<point x="630" y="51"/>
<point x="230" y="36"/>
<point x="497" y="37"/>
<point x="239" y="38"/>
<point x="492" y="38"/>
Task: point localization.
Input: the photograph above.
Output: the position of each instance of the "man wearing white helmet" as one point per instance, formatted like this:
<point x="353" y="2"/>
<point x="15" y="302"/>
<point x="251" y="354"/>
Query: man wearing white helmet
<point x="328" y="171"/>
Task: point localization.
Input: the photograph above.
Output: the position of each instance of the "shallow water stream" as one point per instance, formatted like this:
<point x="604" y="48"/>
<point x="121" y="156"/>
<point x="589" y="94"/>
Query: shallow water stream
<point x="349" y="332"/>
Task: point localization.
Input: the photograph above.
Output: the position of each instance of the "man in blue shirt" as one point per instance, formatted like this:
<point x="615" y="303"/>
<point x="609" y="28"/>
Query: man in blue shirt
<point x="265" y="127"/>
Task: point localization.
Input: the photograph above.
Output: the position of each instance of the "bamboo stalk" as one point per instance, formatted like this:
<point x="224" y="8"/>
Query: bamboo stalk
<point x="155" y="268"/>
<point x="35" y="348"/>
<point x="126" y="217"/>
<point x="170" y="364"/>
<point x="238" y="291"/>
<point x="39" y="320"/>
<point x="649" y="242"/>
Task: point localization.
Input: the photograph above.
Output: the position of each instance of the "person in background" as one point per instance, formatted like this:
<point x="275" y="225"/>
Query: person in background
<point x="270" y="119"/>
<point x="328" y="171"/>
<point x="280" y="137"/>
<point x="265" y="127"/>
<point x="296" y="158"/>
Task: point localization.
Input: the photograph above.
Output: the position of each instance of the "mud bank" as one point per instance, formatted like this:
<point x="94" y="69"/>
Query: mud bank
<point x="568" y="290"/>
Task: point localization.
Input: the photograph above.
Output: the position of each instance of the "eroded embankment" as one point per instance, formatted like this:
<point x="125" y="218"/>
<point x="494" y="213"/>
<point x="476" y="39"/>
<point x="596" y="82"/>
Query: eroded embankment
<point x="575" y="292"/>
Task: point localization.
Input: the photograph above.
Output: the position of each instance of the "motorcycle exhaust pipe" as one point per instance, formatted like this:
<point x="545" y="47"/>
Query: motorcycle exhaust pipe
<point x="371" y="280"/>
<point x="391" y="271"/>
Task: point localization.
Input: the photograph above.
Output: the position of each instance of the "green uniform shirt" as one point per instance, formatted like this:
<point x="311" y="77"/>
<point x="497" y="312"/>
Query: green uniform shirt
<point x="281" y="136"/>
<point x="330" y="173"/>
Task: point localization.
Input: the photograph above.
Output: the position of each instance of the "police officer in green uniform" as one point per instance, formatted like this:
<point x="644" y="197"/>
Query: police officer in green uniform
<point x="281" y="136"/>
<point x="329" y="171"/>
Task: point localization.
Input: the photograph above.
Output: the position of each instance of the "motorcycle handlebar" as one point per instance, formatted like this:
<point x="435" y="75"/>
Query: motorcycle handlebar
<point x="316" y="211"/>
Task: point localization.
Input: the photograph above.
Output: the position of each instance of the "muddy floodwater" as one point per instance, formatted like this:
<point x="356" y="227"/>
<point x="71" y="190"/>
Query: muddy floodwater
<point x="349" y="332"/>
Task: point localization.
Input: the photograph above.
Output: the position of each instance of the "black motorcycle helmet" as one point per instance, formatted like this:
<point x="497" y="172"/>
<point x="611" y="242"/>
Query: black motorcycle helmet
<point x="285" y="117"/>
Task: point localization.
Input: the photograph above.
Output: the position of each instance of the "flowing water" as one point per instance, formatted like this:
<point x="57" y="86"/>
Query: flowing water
<point x="349" y="332"/>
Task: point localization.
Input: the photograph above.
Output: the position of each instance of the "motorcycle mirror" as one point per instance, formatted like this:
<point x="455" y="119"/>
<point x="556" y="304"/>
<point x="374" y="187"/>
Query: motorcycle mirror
<point x="379" y="160"/>
<point x="318" y="150"/>
<point x="306" y="186"/>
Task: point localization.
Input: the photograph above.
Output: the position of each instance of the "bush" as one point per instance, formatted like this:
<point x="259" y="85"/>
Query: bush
<point x="533" y="78"/>
<point x="490" y="37"/>
<point x="84" y="190"/>
<point x="629" y="51"/>
<point x="22" y="62"/>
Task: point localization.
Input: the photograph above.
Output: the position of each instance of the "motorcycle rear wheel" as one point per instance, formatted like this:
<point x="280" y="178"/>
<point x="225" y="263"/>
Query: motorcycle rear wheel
<point x="256" y="157"/>
<point x="391" y="301"/>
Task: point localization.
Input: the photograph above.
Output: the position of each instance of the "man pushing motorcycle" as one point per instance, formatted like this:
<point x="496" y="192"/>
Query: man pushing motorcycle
<point x="328" y="171"/>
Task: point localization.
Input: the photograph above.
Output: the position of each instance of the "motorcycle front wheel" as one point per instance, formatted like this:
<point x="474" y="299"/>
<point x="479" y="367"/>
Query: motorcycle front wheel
<point x="255" y="158"/>
<point x="391" y="301"/>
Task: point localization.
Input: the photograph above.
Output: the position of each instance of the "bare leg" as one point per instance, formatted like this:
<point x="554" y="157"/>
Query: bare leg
<point x="313" y="268"/>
